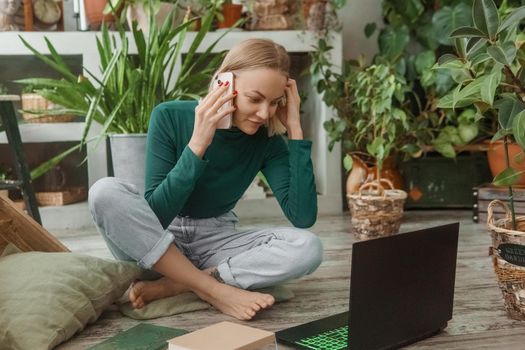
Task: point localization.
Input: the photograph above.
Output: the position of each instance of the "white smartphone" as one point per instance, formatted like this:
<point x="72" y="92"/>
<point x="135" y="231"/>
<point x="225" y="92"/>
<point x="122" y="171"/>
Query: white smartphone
<point x="225" y="122"/>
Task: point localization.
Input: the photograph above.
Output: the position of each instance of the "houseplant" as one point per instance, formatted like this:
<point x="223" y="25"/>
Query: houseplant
<point x="366" y="99"/>
<point x="130" y="86"/>
<point x="491" y="60"/>
<point x="413" y="36"/>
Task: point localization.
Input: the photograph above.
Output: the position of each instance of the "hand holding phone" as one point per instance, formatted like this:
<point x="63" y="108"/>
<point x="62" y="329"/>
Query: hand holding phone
<point x="221" y="79"/>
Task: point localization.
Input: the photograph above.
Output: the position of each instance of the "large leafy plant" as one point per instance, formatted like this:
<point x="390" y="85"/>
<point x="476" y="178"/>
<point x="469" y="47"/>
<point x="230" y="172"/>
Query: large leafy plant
<point x="490" y="65"/>
<point x="367" y="101"/>
<point x="122" y="97"/>
<point x="414" y="35"/>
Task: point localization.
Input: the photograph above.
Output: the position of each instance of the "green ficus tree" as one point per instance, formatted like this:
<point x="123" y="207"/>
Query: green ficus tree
<point x="489" y="67"/>
<point x="379" y="124"/>
<point x="367" y="101"/>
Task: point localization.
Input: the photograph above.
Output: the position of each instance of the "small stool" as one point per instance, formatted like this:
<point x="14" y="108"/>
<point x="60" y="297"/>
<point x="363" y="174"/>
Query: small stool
<point x="10" y="123"/>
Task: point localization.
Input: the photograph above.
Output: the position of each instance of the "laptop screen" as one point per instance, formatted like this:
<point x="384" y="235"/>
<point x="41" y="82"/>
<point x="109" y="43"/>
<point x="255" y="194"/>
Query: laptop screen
<point x="402" y="287"/>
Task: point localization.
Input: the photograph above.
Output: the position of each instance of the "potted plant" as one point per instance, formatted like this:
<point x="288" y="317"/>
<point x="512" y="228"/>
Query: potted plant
<point x="366" y="99"/>
<point x="411" y="40"/>
<point x="130" y="86"/>
<point x="491" y="59"/>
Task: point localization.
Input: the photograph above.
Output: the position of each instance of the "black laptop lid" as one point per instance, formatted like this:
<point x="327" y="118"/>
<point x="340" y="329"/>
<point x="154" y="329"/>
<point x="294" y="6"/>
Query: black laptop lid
<point x="402" y="287"/>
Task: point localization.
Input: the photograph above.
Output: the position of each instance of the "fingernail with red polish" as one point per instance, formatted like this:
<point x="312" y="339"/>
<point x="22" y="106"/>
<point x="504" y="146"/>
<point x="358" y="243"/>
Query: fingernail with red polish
<point x="220" y="84"/>
<point x="235" y="92"/>
<point x="227" y="83"/>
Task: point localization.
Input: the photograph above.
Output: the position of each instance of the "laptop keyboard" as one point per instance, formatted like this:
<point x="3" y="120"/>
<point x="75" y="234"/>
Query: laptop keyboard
<point x="334" y="339"/>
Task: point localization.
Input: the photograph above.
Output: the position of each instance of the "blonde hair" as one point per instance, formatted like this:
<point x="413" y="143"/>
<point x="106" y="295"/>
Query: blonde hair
<point x="258" y="53"/>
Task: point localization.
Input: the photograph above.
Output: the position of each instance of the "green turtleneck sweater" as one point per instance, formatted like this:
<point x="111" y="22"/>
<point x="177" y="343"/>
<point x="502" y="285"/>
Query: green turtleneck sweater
<point x="180" y="183"/>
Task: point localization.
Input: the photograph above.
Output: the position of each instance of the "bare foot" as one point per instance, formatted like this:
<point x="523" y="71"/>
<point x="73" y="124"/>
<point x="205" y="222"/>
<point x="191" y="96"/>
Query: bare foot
<point x="236" y="302"/>
<point x="143" y="292"/>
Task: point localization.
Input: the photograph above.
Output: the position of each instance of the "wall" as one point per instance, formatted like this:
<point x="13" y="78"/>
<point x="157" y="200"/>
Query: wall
<point x="355" y="15"/>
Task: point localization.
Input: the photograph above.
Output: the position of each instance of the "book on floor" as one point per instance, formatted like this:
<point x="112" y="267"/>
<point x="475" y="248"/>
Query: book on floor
<point x="223" y="336"/>
<point x="143" y="336"/>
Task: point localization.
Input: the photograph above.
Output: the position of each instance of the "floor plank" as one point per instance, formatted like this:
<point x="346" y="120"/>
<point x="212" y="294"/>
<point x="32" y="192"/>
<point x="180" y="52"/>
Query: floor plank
<point x="479" y="320"/>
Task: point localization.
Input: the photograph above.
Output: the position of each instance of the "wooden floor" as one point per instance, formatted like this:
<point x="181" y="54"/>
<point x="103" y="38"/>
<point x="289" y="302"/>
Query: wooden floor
<point x="479" y="320"/>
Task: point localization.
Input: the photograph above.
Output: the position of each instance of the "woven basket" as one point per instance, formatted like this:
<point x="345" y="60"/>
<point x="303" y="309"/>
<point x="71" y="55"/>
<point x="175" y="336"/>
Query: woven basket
<point x="511" y="277"/>
<point x="35" y="102"/>
<point x="376" y="211"/>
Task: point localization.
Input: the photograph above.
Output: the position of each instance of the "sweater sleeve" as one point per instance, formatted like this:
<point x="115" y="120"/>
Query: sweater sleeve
<point x="170" y="180"/>
<point x="289" y="173"/>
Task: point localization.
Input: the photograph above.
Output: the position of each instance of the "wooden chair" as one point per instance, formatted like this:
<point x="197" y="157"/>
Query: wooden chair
<point x="10" y="123"/>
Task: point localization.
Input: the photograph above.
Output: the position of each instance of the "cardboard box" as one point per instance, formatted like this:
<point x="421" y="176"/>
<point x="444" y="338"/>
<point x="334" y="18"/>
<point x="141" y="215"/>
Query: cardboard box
<point x="223" y="336"/>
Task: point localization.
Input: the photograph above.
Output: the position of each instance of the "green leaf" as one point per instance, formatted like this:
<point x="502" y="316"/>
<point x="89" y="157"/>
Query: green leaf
<point x="43" y="168"/>
<point x="497" y="53"/>
<point x="348" y="162"/>
<point x="467" y="132"/>
<point x="479" y="58"/>
<point x="461" y="47"/>
<point x="445" y="149"/>
<point x="514" y="18"/>
<point x="489" y="85"/>
<point x="445" y="20"/>
<point x="393" y="41"/>
<point x="474" y="44"/>
<point x="500" y="134"/>
<point x="59" y="67"/>
<point x="424" y="61"/>
<point x="468" y="32"/>
<point x="485" y="16"/>
<point x="507" y="177"/>
<point x="370" y="29"/>
<point x="447" y="58"/>
<point x="518" y="128"/>
<point x="508" y="108"/>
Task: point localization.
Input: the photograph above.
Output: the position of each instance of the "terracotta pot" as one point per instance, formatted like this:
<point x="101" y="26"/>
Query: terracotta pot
<point x="362" y="172"/>
<point x="95" y="13"/>
<point x="496" y="158"/>
<point x="231" y="13"/>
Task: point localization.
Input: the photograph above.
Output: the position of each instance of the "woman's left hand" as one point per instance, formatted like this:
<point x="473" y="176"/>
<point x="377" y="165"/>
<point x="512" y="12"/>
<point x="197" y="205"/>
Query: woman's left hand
<point x="289" y="115"/>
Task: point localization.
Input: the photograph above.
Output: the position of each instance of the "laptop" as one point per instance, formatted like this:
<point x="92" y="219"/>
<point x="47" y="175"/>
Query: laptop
<point x="401" y="291"/>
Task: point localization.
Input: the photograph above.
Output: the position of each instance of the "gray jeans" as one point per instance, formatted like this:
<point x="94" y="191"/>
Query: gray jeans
<point x="248" y="259"/>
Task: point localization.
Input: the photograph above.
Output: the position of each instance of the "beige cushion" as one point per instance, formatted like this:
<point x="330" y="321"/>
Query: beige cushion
<point x="45" y="298"/>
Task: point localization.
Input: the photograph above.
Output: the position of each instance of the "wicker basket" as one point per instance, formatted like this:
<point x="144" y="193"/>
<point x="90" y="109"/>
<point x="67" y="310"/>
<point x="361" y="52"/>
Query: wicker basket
<point x="376" y="211"/>
<point x="511" y="277"/>
<point x="35" y="102"/>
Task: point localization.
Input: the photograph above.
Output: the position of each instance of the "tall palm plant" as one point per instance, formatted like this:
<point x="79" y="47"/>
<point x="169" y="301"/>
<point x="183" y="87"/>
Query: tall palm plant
<point x="122" y="97"/>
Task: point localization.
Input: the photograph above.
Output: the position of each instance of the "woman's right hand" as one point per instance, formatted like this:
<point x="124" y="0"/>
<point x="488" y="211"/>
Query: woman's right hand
<point x="207" y="117"/>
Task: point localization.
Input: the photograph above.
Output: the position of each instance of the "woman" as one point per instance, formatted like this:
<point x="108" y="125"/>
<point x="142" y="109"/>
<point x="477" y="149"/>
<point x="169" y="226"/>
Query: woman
<point x="184" y="228"/>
